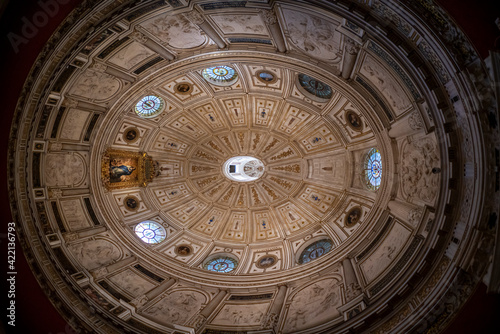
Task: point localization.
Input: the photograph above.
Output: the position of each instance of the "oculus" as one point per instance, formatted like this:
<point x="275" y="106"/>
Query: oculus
<point x="183" y="250"/>
<point x="354" y="120"/>
<point x="266" y="261"/>
<point x="266" y="77"/>
<point x="183" y="88"/>
<point x="220" y="264"/>
<point x="130" y="135"/>
<point x="220" y="75"/>
<point x="131" y="203"/>
<point x="243" y="168"/>
<point x="150" y="232"/>
<point x="149" y="106"/>
<point x="315" y="87"/>
<point x="353" y="216"/>
<point x="315" y="250"/>
<point x="372" y="169"/>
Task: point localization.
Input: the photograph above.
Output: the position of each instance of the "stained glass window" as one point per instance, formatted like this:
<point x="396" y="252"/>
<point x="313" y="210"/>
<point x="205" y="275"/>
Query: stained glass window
<point x="315" y="87"/>
<point x="221" y="264"/>
<point x="315" y="250"/>
<point x="220" y="75"/>
<point x="150" y="232"/>
<point x="373" y="169"/>
<point x="149" y="106"/>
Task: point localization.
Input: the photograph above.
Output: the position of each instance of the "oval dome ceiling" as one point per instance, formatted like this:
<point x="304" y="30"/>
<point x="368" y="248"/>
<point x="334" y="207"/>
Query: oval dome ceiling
<point x="253" y="167"/>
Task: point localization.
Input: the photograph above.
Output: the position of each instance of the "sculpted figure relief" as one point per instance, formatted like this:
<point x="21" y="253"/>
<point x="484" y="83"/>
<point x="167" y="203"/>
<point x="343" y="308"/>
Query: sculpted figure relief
<point x="176" y="31"/>
<point x="315" y="303"/>
<point x="418" y="160"/>
<point x="313" y="35"/>
<point x="96" y="85"/>
<point x="94" y="253"/>
<point x="177" y="307"/>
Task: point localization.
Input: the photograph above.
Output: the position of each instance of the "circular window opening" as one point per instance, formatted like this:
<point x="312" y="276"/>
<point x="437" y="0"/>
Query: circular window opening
<point x="220" y="75"/>
<point x="373" y="169"/>
<point x="221" y="264"/>
<point x="315" y="87"/>
<point x="243" y="168"/>
<point x="315" y="250"/>
<point x="149" y="106"/>
<point x="150" y="232"/>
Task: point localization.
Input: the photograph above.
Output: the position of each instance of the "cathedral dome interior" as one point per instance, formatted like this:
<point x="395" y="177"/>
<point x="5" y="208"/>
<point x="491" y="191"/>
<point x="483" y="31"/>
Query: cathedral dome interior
<point x="260" y="166"/>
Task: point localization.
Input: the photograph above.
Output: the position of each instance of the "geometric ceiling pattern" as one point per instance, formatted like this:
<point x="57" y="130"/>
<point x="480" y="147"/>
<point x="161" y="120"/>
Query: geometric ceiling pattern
<point x="373" y="153"/>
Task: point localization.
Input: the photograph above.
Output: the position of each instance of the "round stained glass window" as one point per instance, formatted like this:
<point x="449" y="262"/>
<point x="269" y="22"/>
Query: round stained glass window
<point x="315" y="250"/>
<point x="149" y="106"/>
<point x="315" y="87"/>
<point x="150" y="232"/>
<point x="373" y="169"/>
<point x="220" y="75"/>
<point x="221" y="264"/>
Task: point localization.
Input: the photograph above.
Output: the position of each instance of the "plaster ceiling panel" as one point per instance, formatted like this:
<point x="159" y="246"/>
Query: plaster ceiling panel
<point x="238" y="316"/>
<point x="131" y="55"/>
<point x="74" y="215"/>
<point x="95" y="85"/>
<point x="63" y="169"/>
<point x="74" y="124"/>
<point x="386" y="252"/>
<point x="313" y="35"/>
<point x="385" y="81"/>
<point x="175" y="31"/>
<point x="131" y="283"/>
<point x="276" y="85"/>
<point x="314" y="304"/>
<point x="176" y="306"/>
<point x="241" y="24"/>
<point x="92" y="254"/>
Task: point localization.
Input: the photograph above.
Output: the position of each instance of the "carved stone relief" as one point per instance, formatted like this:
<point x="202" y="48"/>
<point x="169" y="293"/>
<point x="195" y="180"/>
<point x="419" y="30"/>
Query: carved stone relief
<point x="240" y="24"/>
<point x="175" y="31"/>
<point x="74" y="124"/>
<point x="131" y="283"/>
<point x="417" y="161"/>
<point x="65" y="170"/>
<point x="386" y="252"/>
<point x="74" y="215"/>
<point x="95" y="85"/>
<point x="241" y="315"/>
<point x="131" y="55"/>
<point x="314" y="304"/>
<point x="177" y="307"/>
<point x="387" y="84"/>
<point x="95" y="253"/>
<point x="302" y="27"/>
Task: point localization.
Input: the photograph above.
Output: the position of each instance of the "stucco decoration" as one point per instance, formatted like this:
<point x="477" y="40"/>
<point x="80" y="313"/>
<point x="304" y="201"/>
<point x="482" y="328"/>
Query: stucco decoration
<point x="175" y="31"/>
<point x="74" y="215"/>
<point x="316" y="303"/>
<point x="241" y="315"/>
<point x="96" y="85"/>
<point x="386" y="252"/>
<point x="302" y="27"/>
<point x="92" y="254"/>
<point x="131" y="55"/>
<point x="74" y="124"/>
<point x="417" y="161"/>
<point x="131" y="283"/>
<point x="177" y="307"/>
<point x="240" y="24"/>
<point x="64" y="169"/>
<point x="387" y="84"/>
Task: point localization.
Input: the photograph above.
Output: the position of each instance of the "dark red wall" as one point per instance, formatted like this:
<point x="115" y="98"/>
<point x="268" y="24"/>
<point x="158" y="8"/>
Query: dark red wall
<point x="34" y="313"/>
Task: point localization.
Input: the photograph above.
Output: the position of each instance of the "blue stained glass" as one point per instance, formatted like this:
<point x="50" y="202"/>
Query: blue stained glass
<point x="149" y="106"/>
<point x="373" y="169"/>
<point x="150" y="232"/>
<point x="221" y="264"/>
<point x="315" y="250"/>
<point x="315" y="87"/>
<point x="220" y="75"/>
